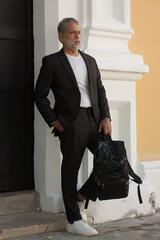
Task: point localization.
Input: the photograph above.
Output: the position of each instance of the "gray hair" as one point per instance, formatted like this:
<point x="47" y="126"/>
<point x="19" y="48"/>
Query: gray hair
<point x="63" y="22"/>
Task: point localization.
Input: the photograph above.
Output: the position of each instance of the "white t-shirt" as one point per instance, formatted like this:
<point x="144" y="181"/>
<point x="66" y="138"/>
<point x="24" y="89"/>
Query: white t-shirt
<point x="80" y="71"/>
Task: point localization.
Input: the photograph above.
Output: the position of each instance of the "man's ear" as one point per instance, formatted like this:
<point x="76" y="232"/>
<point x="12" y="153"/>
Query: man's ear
<point x="60" y="36"/>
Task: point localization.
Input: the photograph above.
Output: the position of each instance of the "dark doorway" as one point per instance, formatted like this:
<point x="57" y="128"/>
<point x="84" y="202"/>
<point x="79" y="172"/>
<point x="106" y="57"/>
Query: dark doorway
<point x="16" y="95"/>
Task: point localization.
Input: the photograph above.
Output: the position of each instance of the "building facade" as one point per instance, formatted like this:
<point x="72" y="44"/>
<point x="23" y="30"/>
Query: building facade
<point x="106" y="30"/>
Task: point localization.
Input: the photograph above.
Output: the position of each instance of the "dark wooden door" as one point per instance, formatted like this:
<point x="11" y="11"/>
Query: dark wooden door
<point x="16" y="95"/>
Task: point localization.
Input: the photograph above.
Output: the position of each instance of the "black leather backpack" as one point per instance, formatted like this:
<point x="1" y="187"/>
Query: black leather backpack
<point x="112" y="171"/>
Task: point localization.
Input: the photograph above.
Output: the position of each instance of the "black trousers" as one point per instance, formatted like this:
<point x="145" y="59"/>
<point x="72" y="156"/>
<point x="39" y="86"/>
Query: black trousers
<point x="73" y="141"/>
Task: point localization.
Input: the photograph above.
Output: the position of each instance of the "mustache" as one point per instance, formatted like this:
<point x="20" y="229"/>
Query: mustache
<point x="77" y="40"/>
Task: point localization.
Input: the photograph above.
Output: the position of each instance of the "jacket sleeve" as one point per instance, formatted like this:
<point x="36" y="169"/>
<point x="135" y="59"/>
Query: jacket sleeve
<point x="42" y="88"/>
<point x="102" y="99"/>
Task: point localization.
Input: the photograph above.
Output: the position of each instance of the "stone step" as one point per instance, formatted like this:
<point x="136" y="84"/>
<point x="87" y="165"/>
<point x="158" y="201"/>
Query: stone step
<point x="16" y="225"/>
<point x="19" y="202"/>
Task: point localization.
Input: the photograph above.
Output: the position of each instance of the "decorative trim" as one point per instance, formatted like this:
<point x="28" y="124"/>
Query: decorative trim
<point x="123" y="67"/>
<point x="151" y="165"/>
<point x="120" y="28"/>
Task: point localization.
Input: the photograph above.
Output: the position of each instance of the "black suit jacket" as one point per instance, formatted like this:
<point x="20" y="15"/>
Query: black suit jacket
<point x="56" y="74"/>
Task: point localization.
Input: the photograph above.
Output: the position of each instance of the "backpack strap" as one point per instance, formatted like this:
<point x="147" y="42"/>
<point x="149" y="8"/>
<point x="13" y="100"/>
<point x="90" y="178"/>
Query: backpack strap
<point x="136" y="179"/>
<point x="86" y="204"/>
<point x="139" y="194"/>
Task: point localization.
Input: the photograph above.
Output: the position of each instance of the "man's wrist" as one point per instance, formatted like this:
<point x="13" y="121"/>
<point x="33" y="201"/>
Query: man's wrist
<point x="107" y="119"/>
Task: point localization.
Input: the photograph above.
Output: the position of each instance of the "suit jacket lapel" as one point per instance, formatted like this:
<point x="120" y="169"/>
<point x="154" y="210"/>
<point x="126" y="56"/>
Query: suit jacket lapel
<point x="88" y="66"/>
<point x="67" y="66"/>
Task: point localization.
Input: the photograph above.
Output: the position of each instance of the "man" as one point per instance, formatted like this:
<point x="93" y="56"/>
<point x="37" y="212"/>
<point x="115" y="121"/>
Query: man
<point x="80" y="115"/>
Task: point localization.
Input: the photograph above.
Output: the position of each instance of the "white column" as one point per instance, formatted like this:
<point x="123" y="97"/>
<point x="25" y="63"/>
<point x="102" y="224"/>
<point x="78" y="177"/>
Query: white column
<point x="47" y="152"/>
<point x="106" y="32"/>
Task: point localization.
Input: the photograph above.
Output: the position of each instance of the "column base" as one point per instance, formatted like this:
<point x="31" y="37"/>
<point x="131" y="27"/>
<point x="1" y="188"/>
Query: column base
<point x="52" y="204"/>
<point x="129" y="207"/>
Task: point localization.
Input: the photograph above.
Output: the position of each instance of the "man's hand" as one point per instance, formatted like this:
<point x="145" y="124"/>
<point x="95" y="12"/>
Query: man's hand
<point x="105" y="124"/>
<point x="58" y="125"/>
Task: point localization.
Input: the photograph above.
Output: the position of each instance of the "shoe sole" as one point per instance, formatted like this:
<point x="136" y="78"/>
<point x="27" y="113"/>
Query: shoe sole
<point x="80" y="234"/>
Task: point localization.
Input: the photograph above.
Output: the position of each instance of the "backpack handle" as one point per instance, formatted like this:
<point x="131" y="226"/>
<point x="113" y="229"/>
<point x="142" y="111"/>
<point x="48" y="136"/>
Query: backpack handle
<point x="107" y="137"/>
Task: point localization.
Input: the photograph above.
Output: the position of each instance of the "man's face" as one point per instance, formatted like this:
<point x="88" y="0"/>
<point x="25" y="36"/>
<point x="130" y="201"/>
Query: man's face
<point x="71" y="36"/>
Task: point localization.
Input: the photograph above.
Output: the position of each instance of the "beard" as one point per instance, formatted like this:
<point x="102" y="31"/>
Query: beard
<point x="72" y="45"/>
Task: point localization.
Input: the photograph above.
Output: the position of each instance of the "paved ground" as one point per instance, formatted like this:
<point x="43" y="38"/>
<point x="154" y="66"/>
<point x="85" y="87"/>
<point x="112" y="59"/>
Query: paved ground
<point x="144" y="228"/>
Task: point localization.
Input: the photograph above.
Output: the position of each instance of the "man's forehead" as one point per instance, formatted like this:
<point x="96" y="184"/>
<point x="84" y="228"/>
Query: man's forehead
<point x="71" y="25"/>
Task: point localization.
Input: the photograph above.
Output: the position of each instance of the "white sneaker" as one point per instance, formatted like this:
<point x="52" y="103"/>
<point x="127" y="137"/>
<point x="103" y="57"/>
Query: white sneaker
<point x="81" y="228"/>
<point x="82" y="211"/>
